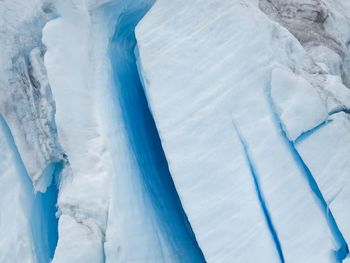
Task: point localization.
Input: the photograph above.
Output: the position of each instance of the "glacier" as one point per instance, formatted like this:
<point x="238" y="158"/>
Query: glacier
<point x="174" y="131"/>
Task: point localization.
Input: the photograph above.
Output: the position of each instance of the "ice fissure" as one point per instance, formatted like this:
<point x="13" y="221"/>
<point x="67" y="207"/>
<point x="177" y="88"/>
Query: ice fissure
<point x="41" y="207"/>
<point x="143" y="139"/>
<point x="306" y="134"/>
<point x="197" y="131"/>
<point x="347" y="111"/>
<point x="343" y="249"/>
<point x="260" y="194"/>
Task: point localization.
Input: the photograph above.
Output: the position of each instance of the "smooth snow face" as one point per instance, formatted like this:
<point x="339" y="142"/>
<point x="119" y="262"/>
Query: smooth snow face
<point x="28" y="223"/>
<point x="207" y="94"/>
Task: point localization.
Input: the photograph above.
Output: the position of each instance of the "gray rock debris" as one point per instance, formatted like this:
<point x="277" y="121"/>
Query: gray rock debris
<point x="315" y="24"/>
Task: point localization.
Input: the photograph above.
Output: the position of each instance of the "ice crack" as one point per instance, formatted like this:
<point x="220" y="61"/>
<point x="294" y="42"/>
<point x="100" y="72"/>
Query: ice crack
<point x="343" y="250"/>
<point x="259" y="193"/>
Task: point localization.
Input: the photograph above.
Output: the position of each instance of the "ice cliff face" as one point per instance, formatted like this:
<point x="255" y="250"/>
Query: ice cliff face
<point x="174" y="131"/>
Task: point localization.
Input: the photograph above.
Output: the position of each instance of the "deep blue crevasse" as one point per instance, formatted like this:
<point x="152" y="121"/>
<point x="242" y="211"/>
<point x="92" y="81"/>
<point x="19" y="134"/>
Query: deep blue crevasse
<point x="144" y="139"/>
<point x="343" y="250"/>
<point x="260" y="195"/>
<point x="42" y="219"/>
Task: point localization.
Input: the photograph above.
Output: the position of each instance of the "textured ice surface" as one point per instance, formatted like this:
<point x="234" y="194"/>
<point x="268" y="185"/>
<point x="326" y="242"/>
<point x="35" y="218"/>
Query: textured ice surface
<point x="112" y="144"/>
<point x="204" y="92"/>
<point x="297" y="101"/>
<point x="325" y="152"/>
<point x="25" y="96"/>
<point x="28" y="224"/>
<point x="219" y="134"/>
<point x="16" y="243"/>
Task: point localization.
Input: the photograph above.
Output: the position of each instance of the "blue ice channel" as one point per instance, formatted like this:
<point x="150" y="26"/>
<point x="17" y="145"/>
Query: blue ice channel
<point x="42" y="219"/>
<point x="144" y="139"/>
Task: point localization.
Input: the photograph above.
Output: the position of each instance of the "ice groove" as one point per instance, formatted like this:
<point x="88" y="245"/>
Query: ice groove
<point x="260" y="195"/>
<point x="306" y="134"/>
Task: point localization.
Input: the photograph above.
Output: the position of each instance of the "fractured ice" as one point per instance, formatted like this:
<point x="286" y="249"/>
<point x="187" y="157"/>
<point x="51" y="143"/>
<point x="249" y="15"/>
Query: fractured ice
<point x="174" y="131"/>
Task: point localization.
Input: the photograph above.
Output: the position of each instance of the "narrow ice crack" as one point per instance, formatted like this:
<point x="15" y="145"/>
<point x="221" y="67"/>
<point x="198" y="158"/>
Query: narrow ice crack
<point x="306" y="134"/>
<point x="259" y="193"/>
<point x="347" y="111"/>
<point x="343" y="250"/>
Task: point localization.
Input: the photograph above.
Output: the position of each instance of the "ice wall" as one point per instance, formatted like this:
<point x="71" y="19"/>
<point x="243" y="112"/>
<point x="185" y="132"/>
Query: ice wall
<point x="28" y="222"/>
<point x="117" y="188"/>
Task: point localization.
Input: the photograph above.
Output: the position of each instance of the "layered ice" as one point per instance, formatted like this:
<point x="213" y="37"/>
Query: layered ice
<point x="203" y="91"/>
<point x="218" y="133"/>
<point x="25" y="95"/>
<point x="31" y="157"/>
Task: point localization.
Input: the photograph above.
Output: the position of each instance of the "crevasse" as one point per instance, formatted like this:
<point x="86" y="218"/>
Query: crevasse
<point x="41" y="206"/>
<point x="144" y="141"/>
<point x="343" y="249"/>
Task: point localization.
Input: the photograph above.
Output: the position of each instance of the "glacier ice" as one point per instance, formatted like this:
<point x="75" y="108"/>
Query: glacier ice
<point x="29" y="227"/>
<point x="330" y="166"/>
<point x="27" y="102"/>
<point x="201" y="90"/>
<point x="174" y="131"/>
<point x="118" y="142"/>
